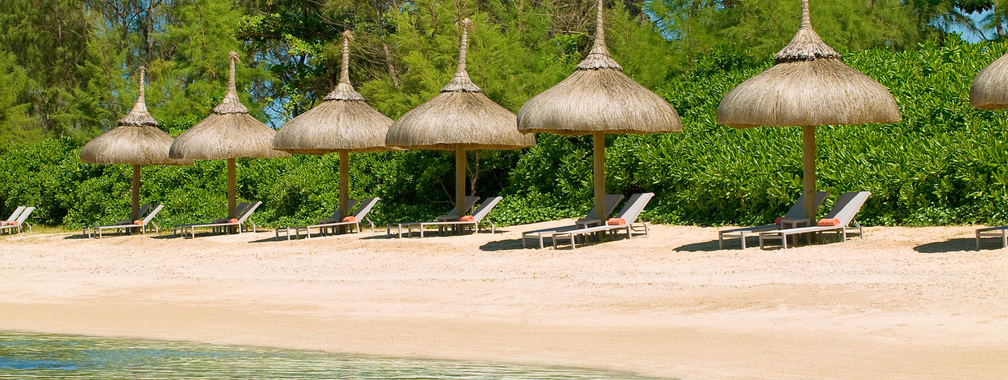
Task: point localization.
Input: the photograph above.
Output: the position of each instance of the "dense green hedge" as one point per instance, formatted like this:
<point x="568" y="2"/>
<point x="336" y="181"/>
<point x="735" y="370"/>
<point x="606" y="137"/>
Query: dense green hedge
<point x="945" y="163"/>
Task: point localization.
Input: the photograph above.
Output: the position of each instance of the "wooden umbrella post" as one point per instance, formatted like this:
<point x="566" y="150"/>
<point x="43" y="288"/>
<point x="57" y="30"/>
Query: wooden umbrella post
<point x="231" y="188"/>
<point x="809" y="174"/>
<point x="599" y="176"/>
<point x="460" y="171"/>
<point x="344" y="186"/>
<point x="344" y="183"/>
<point x="135" y="212"/>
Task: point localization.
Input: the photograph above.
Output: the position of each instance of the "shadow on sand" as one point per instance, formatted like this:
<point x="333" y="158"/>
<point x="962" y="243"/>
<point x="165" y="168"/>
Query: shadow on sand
<point x="958" y="245"/>
<point x="707" y="246"/>
<point x="504" y="245"/>
<point x="109" y="234"/>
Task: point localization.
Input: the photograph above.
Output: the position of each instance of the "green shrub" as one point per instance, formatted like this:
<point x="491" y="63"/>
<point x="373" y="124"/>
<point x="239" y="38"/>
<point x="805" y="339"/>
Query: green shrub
<point x="945" y="163"/>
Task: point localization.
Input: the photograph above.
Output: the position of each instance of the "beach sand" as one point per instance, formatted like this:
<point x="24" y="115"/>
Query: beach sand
<point x="900" y="303"/>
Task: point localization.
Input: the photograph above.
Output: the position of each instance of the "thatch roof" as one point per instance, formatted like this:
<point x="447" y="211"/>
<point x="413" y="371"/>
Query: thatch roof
<point x="808" y="85"/>
<point x="343" y="121"/>
<point x="459" y="117"/>
<point x="136" y="141"/>
<point x="990" y="87"/>
<point x="229" y="131"/>
<point x="598" y="98"/>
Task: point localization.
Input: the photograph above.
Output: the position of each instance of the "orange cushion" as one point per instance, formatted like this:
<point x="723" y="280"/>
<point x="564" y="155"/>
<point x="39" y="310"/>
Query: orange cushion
<point x="616" y="221"/>
<point x="233" y="220"/>
<point x="828" y="222"/>
<point x="138" y="222"/>
<point x="349" y="219"/>
<point x="4" y="223"/>
<point x="14" y="223"/>
<point x="467" y="218"/>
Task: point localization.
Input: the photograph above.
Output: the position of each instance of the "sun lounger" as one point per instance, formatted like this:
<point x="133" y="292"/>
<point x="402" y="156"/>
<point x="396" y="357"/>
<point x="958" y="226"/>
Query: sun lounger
<point x="625" y="220"/>
<point x="1001" y="232"/>
<point x="477" y="217"/>
<point x="332" y="224"/>
<point x="239" y="209"/>
<point x="140" y="215"/>
<point x="611" y="201"/>
<point x="17" y="224"/>
<point x="14" y="215"/>
<point x="842" y="215"/>
<point x="141" y="227"/>
<point x="336" y="215"/>
<point x="797" y="212"/>
<point x="453" y="215"/>
<point x="222" y="225"/>
<point x="470" y="202"/>
<point x="125" y="223"/>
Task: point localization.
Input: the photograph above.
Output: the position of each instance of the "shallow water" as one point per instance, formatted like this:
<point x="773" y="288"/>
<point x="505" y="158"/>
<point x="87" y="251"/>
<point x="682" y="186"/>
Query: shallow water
<point x="25" y="355"/>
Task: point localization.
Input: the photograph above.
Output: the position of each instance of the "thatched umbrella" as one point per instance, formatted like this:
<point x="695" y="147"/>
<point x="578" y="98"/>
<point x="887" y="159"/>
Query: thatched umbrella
<point x="598" y="99"/>
<point x="228" y="133"/>
<point x="342" y="123"/>
<point x="136" y="141"/>
<point x="808" y="86"/>
<point x="460" y="118"/>
<point x="989" y="90"/>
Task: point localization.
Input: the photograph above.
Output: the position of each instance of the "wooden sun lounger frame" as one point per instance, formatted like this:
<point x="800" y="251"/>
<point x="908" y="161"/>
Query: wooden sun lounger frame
<point x="218" y="227"/>
<point x="14" y="215"/>
<point x="630" y="212"/>
<point x="611" y="201"/>
<point x="332" y="219"/>
<point x="470" y="202"/>
<point x="453" y="214"/>
<point x="332" y="224"/>
<point x="148" y="219"/>
<point x="1001" y="232"/>
<point x="141" y="214"/>
<point x="456" y="225"/>
<point x="21" y="222"/>
<point x="846" y="208"/>
<point x="797" y="211"/>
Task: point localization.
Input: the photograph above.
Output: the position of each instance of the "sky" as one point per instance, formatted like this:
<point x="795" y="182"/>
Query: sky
<point x="966" y="34"/>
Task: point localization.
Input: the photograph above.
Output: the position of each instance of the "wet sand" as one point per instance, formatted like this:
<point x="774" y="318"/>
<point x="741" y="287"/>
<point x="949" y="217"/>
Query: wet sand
<point x="902" y="302"/>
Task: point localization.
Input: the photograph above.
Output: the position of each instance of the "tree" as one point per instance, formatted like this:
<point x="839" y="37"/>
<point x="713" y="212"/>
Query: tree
<point x="761" y="27"/>
<point x="190" y="78"/>
<point x="49" y="39"/>
<point x="17" y="125"/>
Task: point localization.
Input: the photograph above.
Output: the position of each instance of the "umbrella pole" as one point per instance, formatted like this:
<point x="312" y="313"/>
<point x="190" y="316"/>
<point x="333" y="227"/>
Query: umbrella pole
<point x="344" y="185"/>
<point x="135" y="212"/>
<point x="231" y="188"/>
<point x="460" y="170"/>
<point x="809" y="175"/>
<point x="599" y="176"/>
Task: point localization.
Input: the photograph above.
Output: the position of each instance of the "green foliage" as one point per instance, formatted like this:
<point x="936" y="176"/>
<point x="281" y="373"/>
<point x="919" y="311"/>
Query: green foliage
<point x="69" y="70"/>
<point x="16" y="121"/>
<point x="943" y="164"/>
<point x="191" y="80"/>
<point x="49" y="41"/>
<point x="762" y="27"/>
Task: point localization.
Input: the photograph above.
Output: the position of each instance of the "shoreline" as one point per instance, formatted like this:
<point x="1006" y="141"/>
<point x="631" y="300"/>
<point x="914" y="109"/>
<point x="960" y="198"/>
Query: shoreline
<point x="903" y="302"/>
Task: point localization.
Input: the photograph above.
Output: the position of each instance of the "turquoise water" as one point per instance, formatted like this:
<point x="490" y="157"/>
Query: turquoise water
<point x="26" y="356"/>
